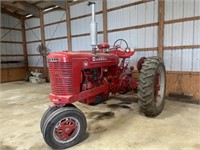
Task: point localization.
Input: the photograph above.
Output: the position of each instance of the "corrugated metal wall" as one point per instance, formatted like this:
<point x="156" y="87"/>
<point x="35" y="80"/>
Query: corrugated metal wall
<point x="176" y="34"/>
<point x="134" y="16"/>
<point x="126" y="17"/>
<point x="55" y="30"/>
<point x="52" y="31"/>
<point x="33" y="39"/>
<point x="183" y="33"/>
<point x="82" y="25"/>
<point x="11" y="45"/>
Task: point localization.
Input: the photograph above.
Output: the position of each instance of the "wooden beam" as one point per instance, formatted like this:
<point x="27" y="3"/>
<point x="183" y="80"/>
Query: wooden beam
<point x="161" y="15"/>
<point x="3" y="10"/>
<point x="146" y="49"/>
<point x="29" y="9"/>
<point x="36" y="41"/>
<point x="8" y="28"/>
<point x="24" y="43"/>
<point x="53" y="23"/>
<point x="77" y="2"/>
<point x="57" y="38"/>
<point x="11" y="62"/>
<point x="35" y="3"/>
<point x="182" y="47"/>
<point x="85" y="34"/>
<point x="130" y="4"/>
<point x="62" y="4"/>
<point x="105" y="25"/>
<point x="34" y="54"/>
<point x="134" y="27"/>
<point x="12" y="42"/>
<point x="33" y="28"/>
<point x="43" y="43"/>
<point x="11" y="55"/>
<point x="87" y="15"/>
<point x="182" y="20"/>
<point x="68" y="22"/>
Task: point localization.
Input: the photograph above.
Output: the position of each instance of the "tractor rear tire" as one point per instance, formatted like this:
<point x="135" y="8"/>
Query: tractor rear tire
<point x="151" y="88"/>
<point x="64" y="128"/>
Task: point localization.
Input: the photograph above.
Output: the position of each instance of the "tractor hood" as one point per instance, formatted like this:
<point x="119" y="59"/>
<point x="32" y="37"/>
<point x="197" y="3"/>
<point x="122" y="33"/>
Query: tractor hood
<point x="87" y="58"/>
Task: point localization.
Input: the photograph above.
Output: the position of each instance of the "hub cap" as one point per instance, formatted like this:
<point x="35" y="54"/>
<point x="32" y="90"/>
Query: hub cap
<point x="66" y="130"/>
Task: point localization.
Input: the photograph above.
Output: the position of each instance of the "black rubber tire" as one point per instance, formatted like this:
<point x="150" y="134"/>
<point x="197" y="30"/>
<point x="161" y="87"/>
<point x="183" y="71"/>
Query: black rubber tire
<point x="48" y="112"/>
<point x="46" y="115"/>
<point x="98" y="100"/>
<point x="146" y="86"/>
<point x="54" y="118"/>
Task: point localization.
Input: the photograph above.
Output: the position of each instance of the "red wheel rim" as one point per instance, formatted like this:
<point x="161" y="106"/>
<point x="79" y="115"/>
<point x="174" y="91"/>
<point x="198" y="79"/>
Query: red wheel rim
<point x="66" y="130"/>
<point x="159" y="86"/>
<point x="140" y="62"/>
<point x="156" y="86"/>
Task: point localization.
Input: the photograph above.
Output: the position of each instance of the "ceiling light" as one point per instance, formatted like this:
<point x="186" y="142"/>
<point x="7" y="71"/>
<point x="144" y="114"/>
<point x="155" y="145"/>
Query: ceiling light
<point x="48" y="9"/>
<point x="27" y="16"/>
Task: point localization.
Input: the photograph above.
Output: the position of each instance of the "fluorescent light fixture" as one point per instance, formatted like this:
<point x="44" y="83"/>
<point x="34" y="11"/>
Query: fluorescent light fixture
<point x="48" y="9"/>
<point x="29" y="15"/>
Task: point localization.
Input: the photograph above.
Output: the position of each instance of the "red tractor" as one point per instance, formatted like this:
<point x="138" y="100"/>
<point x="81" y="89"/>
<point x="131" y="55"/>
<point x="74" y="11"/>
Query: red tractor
<point x="89" y="77"/>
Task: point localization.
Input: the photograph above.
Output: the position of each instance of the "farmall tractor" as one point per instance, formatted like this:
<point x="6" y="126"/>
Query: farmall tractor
<point x="90" y="77"/>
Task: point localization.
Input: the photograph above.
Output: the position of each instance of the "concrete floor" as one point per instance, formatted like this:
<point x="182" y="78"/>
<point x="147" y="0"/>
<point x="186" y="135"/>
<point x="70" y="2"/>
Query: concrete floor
<point x="114" y="125"/>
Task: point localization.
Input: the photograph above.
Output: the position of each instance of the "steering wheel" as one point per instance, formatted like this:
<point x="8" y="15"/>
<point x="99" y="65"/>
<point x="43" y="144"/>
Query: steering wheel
<point x="121" y="44"/>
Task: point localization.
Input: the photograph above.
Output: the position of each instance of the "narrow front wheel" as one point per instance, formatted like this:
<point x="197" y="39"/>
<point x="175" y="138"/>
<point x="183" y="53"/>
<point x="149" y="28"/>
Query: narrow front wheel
<point x="46" y="114"/>
<point x="64" y="128"/>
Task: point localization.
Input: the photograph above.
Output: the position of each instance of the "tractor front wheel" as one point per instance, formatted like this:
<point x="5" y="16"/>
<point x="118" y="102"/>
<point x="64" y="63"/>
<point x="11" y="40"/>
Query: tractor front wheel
<point x="151" y="89"/>
<point x="64" y="128"/>
<point x="46" y="114"/>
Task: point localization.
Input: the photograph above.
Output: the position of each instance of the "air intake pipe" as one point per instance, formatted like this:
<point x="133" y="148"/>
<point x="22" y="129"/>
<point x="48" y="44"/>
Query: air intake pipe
<point x="93" y="28"/>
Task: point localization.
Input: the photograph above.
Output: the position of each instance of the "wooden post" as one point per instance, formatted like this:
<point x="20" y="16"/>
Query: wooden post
<point x="161" y="15"/>
<point x="105" y="27"/>
<point x="43" y="44"/>
<point x="24" y="43"/>
<point x="68" y="23"/>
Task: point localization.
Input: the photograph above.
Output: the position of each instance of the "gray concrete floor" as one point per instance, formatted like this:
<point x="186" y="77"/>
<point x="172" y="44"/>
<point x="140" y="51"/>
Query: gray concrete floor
<point x="113" y="125"/>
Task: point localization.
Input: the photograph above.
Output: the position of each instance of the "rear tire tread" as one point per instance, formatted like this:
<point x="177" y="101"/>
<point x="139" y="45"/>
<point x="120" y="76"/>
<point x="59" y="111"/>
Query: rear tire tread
<point x="146" y="86"/>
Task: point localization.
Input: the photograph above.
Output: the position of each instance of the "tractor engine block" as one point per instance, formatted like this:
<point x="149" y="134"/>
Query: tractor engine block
<point x="91" y="78"/>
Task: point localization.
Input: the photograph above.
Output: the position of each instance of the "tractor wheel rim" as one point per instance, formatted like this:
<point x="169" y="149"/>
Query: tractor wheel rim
<point x="66" y="130"/>
<point x="159" y="86"/>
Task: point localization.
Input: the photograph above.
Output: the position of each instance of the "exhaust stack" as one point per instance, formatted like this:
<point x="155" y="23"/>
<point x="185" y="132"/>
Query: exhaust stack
<point x="93" y="28"/>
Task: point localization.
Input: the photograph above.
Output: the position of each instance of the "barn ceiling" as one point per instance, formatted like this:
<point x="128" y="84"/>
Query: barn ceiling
<point x="29" y="8"/>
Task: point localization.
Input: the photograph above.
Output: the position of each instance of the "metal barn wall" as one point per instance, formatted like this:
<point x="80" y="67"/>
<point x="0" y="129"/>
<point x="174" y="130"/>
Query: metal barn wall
<point x="11" y="42"/>
<point x="33" y="39"/>
<point x="137" y="15"/>
<point x="54" y="32"/>
<point x="55" y="36"/>
<point x="133" y="16"/>
<point x="12" y="54"/>
<point x="81" y="26"/>
<point x="182" y="60"/>
<point x="182" y="33"/>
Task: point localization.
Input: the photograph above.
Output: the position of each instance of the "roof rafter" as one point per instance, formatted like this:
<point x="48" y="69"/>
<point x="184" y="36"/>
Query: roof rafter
<point x="3" y="10"/>
<point x="61" y="4"/>
<point x="24" y="6"/>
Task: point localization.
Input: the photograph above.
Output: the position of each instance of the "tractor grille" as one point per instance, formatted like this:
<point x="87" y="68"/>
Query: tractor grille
<point x="61" y="78"/>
